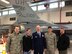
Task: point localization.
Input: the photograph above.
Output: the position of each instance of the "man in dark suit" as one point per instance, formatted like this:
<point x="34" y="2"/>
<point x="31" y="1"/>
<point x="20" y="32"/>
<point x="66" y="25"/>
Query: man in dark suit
<point x="38" y="41"/>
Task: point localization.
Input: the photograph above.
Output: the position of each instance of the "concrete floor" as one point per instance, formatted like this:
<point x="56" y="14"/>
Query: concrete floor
<point x="69" y="50"/>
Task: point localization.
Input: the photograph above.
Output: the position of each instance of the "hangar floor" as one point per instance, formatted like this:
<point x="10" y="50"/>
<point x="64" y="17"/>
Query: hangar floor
<point x="69" y="50"/>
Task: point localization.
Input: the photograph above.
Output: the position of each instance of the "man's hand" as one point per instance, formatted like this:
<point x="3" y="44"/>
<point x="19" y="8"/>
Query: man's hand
<point x="45" y="50"/>
<point x="30" y="50"/>
<point x="33" y="50"/>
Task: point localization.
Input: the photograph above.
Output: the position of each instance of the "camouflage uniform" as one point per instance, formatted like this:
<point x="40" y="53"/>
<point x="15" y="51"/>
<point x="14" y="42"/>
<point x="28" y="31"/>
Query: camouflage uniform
<point x="14" y="44"/>
<point x="51" y="43"/>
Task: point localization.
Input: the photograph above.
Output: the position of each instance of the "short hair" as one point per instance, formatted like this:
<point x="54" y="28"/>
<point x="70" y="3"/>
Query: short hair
<point x="13" y="27"/>
<point x="28" y="29"/>
<point x="16" y="26"/>
<point x="37" y="25"/>
<point x="49" y="27"/>
<point x="4" y="34"/>
<point x="61" y="27"/>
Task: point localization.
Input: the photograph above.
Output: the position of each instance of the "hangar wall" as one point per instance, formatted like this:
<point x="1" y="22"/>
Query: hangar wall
<point x="52" y="16"/>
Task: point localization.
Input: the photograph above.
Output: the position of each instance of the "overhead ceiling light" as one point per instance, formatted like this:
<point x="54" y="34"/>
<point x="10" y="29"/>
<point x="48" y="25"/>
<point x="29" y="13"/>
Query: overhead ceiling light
<point x="5" y="1"/>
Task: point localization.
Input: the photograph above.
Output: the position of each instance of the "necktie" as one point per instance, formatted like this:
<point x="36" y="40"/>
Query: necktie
<point x="39" y="34"/>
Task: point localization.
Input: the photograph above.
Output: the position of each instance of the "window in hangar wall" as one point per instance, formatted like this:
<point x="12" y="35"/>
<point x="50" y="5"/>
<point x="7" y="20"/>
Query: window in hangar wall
<point x="62" y="4"/>
<point x="12" y="12"/>
<point x="5" y="12"/>
<point x="34" y="8"/>
<point x="13" y="19"/>
<point x="0" y="13"/>
<point x="41" y="7"/>
<point x="53" y="5"/>
<point x="68" y="14"/>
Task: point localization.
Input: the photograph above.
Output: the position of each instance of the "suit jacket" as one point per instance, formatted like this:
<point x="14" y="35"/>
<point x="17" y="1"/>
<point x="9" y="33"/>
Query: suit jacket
<point x="38" y="41"/>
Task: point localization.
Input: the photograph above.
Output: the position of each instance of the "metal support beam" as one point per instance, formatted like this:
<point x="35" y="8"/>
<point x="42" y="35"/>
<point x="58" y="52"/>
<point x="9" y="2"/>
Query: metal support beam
<point x="2" y="6"/>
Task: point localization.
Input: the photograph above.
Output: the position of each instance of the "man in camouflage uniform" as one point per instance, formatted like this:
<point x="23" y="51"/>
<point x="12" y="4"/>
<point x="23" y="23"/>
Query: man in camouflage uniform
<point x="51" y="41"/>
<point x="14" y="42"/>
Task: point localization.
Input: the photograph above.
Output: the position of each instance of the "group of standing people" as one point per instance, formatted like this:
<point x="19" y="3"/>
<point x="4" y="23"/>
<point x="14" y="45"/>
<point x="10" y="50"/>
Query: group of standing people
<point x="38" y="42"/>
